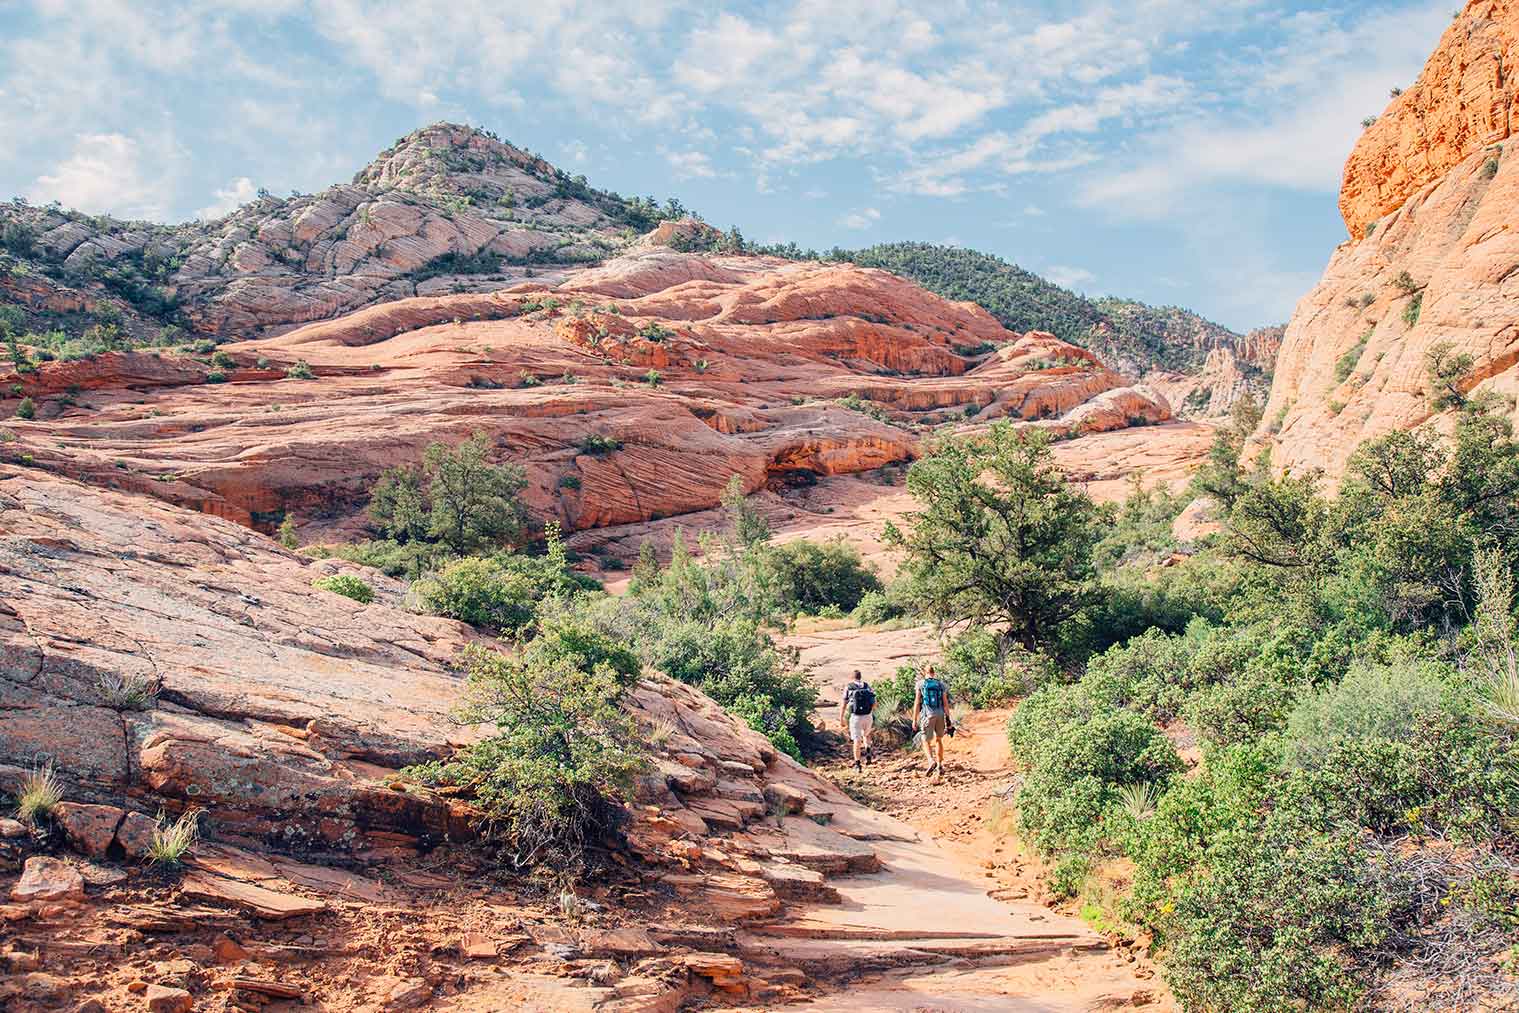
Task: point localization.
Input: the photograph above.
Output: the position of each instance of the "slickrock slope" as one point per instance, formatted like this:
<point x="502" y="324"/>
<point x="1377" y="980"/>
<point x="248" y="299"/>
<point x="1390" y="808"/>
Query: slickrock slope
<point x="447" y="209"/>
<point x="1443" y="194"/>
<point x="699" y="367"/>
<point x="282" y="713"/>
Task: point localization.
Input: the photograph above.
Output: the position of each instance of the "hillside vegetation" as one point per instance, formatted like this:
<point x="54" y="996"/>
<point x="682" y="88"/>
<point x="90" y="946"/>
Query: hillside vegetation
<point x="1338" y="673"/>
<point x="1128" y="334"/>
<point x="450" y="208"/>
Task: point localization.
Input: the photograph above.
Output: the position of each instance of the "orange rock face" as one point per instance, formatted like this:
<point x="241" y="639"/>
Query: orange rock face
<point x="701" y="368"/>
<point x="1463" y="101"/>
<point x="1437" y="269"/>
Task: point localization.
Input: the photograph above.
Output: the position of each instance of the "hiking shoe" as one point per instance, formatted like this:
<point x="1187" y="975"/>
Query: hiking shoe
<point x="869" y="753"/>
<point x="859" y="766"/>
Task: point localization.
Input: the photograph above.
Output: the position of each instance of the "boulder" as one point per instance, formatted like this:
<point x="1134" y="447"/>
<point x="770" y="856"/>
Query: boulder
<point x="786" y="798"/>
<point x="135" y="834"/>
<point x="45" y="879"/>
<point x="163" y="999"/>
<point x="89" y="829"/>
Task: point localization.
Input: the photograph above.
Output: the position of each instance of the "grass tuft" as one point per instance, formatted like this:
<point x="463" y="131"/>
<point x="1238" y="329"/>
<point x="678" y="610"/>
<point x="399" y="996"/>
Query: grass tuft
<point x="40" y="792"/>
<point x="173" y="841"/>
<point x="1139" y="799"/>
<point x="127" y="692"/>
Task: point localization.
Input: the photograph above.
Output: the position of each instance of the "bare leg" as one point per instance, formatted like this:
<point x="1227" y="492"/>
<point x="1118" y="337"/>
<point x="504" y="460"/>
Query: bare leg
<point x="928" y="749"/>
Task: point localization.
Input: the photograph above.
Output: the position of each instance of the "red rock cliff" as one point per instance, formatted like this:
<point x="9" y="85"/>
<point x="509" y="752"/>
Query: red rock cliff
<point x="1439" y="264"/>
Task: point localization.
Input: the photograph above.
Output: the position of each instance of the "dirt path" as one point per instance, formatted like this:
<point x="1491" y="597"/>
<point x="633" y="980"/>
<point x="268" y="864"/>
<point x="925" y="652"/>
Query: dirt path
<point x="958" y="905"/>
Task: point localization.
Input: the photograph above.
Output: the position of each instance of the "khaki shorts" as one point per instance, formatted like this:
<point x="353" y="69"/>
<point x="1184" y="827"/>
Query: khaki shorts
<point x="859" y="726"/>
<point x="933" y="725"/>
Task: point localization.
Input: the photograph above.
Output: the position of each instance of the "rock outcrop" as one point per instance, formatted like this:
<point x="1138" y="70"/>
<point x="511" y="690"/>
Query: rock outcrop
<point x="1435" y="181"/>
<point x="1464" y="100"/>
<point x="630" y="391"/>
<point x="1229" y="372"/>
<point x="281" y="714"/>
<point x="447" y="209"/>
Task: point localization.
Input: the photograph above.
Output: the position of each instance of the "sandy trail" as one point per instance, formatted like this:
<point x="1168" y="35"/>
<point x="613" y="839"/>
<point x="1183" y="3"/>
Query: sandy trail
<point x="959" y="890"/>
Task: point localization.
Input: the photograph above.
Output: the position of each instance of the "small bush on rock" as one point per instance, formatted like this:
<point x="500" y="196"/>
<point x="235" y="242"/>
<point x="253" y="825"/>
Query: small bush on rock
<point x="347" y="585"/>
<point x="551" y="781"/>
<point x="172" y="841"/>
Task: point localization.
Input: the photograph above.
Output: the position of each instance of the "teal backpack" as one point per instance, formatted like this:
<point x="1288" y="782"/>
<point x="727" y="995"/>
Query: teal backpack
<point x="933" y="694"/>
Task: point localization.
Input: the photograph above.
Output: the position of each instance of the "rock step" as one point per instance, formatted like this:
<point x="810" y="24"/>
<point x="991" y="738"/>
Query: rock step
<point x="797" y="882"/>
<point x="843" y="957"/>
<point x="804" y="928"/>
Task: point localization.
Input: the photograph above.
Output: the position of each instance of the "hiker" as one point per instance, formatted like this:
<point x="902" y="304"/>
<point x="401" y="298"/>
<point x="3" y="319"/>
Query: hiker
<point x="856" y="714"/>
<point x="931" y="701"/>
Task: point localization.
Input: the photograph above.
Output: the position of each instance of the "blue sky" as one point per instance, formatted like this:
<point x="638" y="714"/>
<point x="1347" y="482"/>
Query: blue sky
<point x="1177" y="151"/>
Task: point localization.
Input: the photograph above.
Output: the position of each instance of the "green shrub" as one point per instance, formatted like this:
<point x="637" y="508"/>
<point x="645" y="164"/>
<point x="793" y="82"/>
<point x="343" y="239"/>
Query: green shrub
<point x="1252" y="906"/>
<point x="1346" y="364"/>
<point x="1076" y="772"/>
<point x="503" y="592"/>
<point x="216" y="376"/>
<point x="984" y="671"/>
<point x="1069" y="875"/>
<point x="737" y="664"/>
<point x="127" y="691"/>
<point x="1255" y="703"/>
<point x="876" y="608"/>
<point x="392" y="558"/>
<point x="1385" y="702"/>
<point x="457" y="497"/>
<point x="811" y="576"/>
<point x="172" y="841"/>
<point x="40" y="791"/>
<point x="26" y="410"/>
<point x="553" y="777"/>
<point x="1414" y="308"/>
<point x="1399" y="747"/>
<point x="347" y="585"/>
<point x="599" y="444"/>
<point x="301" y="370"/>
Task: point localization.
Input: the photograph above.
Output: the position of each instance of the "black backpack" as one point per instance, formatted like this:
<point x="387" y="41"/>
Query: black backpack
<point x="863" y="700"/>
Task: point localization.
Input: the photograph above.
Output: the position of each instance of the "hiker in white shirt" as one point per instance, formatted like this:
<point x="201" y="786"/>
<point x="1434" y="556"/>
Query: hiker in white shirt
<point x="855" y="714"/>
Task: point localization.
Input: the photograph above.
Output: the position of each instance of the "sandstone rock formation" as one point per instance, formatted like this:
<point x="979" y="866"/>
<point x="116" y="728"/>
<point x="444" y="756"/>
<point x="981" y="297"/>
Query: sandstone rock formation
<point x="1463" y="100"/>
<point x="696" y="367"/>
<point x="447" y="209"/>
<point x="1436" y="182"/>
<point x="281" y="714"/>
<point x="1230" y="371"/>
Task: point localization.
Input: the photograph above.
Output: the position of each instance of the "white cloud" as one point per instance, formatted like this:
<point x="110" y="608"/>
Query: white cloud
<point x="1069" y="277"/>
<point x="689" y="164"/>
<point x="576" y="151"/>
<point x="861" y="219"/>
<point x="229" y="198"/>
<point x="1314" y="89"/>
<point x="104" y="174"/>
